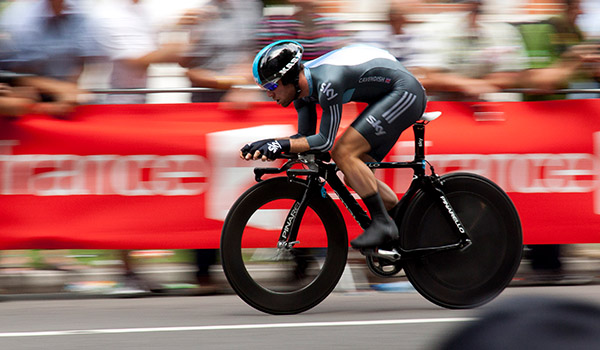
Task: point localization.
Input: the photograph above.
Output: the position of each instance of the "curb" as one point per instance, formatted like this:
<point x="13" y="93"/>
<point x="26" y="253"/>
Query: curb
<point x="176" y="279"/>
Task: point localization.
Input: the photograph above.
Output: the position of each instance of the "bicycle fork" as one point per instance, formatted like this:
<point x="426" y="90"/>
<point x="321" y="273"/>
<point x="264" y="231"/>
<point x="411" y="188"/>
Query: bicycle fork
<point x="289" y="232"/>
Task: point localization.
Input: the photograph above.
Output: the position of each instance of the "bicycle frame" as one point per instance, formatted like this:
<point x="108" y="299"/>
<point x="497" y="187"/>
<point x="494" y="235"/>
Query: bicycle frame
<point x="319" y="172"/>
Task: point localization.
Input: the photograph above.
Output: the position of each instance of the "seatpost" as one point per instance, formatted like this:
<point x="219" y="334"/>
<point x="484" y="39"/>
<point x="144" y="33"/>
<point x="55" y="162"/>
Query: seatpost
<point x="419" y="161"/>
<point x="419" y="130"/>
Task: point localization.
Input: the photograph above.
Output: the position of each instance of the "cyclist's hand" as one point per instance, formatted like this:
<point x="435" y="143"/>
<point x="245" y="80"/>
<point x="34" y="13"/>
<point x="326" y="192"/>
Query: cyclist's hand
<point x="247" y="152"/>
<point x="268" y="149"/>
<point x="272" y="149"/>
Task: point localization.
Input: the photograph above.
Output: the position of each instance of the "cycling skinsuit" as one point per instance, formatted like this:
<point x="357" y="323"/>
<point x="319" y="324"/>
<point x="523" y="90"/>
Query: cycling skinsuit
<point x="359" y="73"/>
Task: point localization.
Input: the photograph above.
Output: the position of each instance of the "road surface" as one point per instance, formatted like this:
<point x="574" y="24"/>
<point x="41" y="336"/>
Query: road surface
<point x="357" y="320"/>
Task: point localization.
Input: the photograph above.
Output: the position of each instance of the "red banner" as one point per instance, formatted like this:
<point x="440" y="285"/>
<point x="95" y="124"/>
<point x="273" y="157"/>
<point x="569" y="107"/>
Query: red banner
<point x="164" y="176"/>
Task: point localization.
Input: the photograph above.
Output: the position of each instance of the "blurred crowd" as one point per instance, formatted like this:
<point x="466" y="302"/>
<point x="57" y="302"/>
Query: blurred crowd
<point x="54" y="51"/>
<point x="57" y="54"/>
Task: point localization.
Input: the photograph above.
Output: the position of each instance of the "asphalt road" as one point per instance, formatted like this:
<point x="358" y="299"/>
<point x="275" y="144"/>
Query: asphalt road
<point x="365" y="320"/>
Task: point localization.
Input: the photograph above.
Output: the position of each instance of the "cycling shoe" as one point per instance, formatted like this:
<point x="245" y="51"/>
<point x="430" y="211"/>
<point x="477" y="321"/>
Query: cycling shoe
<point x="381" y="231"/>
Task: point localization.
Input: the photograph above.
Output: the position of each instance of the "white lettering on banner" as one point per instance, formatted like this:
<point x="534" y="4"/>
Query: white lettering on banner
<point x="527" y="173"/>
<point x="229" y="176"/>
<point x="520" y="173"/>
<point x="132" y="175"/>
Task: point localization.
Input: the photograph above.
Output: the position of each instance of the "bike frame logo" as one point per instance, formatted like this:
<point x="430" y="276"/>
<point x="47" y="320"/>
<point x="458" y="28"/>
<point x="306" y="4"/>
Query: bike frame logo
<point x="290" y="220"/>
<point x="457" y="222"/>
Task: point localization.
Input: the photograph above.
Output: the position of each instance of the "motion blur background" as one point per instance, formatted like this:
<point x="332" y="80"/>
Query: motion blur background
<point x="187" y="51"/>
<point x="355" y="20"/>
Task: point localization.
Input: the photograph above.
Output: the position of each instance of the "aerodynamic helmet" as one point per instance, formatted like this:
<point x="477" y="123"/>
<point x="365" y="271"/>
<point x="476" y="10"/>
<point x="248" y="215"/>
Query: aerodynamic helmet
<point x="279" y="60"/>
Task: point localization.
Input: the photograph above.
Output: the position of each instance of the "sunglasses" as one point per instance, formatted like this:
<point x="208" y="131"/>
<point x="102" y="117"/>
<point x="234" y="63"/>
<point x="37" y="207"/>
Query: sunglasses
<point x="270" y="86"/>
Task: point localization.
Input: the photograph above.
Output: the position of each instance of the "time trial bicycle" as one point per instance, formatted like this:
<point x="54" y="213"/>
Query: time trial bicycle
<point x="284" y="243"/>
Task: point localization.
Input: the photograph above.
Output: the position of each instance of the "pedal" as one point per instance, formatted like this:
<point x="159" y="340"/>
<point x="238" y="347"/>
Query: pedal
<point x="383" y="263"/>
<point x="391" y="255"/>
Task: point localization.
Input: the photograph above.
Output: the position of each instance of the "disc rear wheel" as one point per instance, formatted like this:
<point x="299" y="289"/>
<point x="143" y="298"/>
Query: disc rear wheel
<point x="474" y="275"/>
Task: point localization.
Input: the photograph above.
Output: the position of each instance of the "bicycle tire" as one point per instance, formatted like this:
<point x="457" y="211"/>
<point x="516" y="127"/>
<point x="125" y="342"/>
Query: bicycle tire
<point x="278" y="290"/>
<point x="471" y="277"/>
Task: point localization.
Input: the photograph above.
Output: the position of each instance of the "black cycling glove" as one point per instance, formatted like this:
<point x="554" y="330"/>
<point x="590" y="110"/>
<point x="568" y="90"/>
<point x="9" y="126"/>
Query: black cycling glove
<point x="270" y="148"/>
<point x="251" y="148"/>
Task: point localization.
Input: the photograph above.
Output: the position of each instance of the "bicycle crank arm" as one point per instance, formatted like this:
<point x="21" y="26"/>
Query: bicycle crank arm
<point x="391" y="255"/>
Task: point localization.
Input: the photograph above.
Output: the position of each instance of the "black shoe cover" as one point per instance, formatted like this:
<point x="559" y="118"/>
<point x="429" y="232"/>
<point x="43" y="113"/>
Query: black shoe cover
<point x="381" y="231"/>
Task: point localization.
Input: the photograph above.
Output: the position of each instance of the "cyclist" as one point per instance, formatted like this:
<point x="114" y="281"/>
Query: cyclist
<point x="359" y="73"/>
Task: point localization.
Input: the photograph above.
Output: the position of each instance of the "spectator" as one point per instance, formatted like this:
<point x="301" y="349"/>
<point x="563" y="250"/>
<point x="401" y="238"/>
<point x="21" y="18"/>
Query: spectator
<point x="467" y="57"/>
<point x="316" y="33"/>
<point x="222" y="40"/>
<point x="566" y="35"/>
<point x="398" y="37"/>
<point x="50" y="39"/>
<point x="131" y="42"/>
<point x="548" y="42"/>
<point x="47" y="42"/>
<point x="22" y="94"/>
<point x="470" y="58"/>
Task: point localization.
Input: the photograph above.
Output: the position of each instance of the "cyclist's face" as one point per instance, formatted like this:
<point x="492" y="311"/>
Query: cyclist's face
<point x="283" y="94"/>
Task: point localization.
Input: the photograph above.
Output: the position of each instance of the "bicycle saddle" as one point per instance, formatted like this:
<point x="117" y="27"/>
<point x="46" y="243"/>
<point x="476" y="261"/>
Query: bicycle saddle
<point x="429" y="116"/>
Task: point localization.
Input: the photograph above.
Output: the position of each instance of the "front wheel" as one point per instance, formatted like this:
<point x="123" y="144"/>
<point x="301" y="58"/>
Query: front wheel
<point x="477" y="274"/>
<point x="278" y="280"/>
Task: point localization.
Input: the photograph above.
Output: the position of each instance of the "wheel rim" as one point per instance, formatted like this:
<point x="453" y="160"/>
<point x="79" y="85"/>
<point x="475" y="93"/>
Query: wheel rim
<point x="280" y="270"/>
<point x="248" y="246"/>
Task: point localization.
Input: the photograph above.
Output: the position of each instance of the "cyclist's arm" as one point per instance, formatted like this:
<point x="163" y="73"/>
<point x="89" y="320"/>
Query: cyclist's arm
<point x="307" y="125"/>
<point x="323" y="141"/>
<point x="330" y="122"/>
<point x="307" y="118"/>
<point x="307" y="139"/>
<point x="299" y="145"/>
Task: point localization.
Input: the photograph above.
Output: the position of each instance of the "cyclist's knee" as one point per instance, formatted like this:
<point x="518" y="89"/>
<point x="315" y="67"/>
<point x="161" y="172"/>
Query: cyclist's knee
<point x="337" y="153"/>
<point x="351" y="145"/>
<point x="342" y="153"/>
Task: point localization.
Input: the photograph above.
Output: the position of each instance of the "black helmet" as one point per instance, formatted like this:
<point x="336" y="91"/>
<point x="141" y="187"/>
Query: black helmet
<point x="279" y="60"/>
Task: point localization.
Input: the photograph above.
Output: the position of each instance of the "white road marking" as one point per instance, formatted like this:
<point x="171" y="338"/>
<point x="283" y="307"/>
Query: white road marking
<point x="232" y="327"/>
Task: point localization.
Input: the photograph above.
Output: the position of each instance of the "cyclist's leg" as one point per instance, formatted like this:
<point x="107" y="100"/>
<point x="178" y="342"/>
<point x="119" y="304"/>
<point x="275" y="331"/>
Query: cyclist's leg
<point x="389" y="197"/>
<point x="344" y="148"/>
<point x="347" y="154"/>
<point x="380" y="126"/>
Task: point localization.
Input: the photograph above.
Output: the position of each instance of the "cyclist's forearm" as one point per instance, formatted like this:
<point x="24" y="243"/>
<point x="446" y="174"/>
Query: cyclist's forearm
<point x="299" y="145"/>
